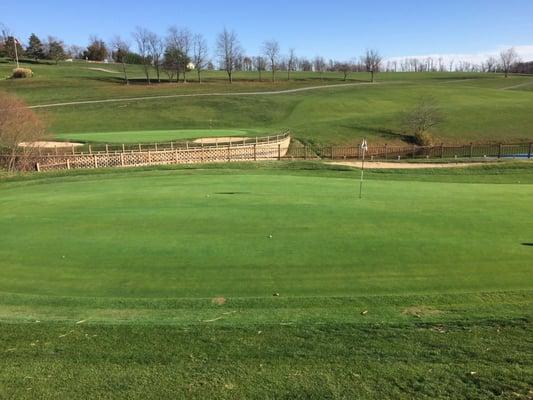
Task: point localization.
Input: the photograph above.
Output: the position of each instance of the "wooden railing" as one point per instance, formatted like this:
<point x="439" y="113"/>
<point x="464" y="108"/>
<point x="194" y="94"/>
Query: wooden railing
<point x="273" y="148"/>
<point x="100" y="148"/>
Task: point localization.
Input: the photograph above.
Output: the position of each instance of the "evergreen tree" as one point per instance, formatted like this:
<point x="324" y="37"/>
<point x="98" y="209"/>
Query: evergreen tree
<point x="35" y="49"/>
<point x="56" y="50"/>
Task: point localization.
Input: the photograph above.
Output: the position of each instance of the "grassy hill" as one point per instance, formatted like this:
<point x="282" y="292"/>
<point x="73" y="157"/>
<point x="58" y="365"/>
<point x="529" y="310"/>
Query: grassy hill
<point x="478" y="107"/>
<point x="267" y="281"/>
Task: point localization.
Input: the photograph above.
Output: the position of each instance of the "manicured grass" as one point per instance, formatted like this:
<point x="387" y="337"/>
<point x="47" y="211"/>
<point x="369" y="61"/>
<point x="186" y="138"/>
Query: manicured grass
<point x="222" y="223"/>
<point x="158" y="136"/>
<point x="155" y="283"/>
<point x="477" y="107"/>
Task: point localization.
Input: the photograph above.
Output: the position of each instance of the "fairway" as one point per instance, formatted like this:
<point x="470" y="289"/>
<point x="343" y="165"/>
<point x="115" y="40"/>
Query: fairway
<point x="157" y="136"/>
<point x="277" y="275"/>
<point x="477" y="107"/>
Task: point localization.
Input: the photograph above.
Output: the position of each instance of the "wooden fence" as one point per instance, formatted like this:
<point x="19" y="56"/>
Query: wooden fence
<point x="386" y="152"/>
<point x="275" y="148"/>
<point x="100" y="148"/>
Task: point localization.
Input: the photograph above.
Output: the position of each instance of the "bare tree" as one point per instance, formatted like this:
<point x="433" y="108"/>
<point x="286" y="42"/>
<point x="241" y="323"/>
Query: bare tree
<point x="247" y="64"/>
<point x="228" y="50"/>
<point x="142" y="38"/>
<point x="120" y="50"/>
<point x="271" y="51"/>
<point x="260" y="63"/>
<point x="20" y="128"/>
<point x="5" y="33"/>
<point x="508" y="58"/>
<point x="491" y="65"/>
<point x="424" y="116"/>
<point x="156" y="49"/>
<point x="181" y="41"/>
<point x="291" y="63"/>
<point x="319" y="64"/>
<point x="74" y="51"/>
<point x="372" y="61"/>
<point x="345" y="68"/>
<point x="200" y="55"/>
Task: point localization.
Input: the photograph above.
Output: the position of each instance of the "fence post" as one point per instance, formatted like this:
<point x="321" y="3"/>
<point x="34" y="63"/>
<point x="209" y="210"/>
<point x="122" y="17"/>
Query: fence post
<point x="38" y="166"/>
<point x="176" y="155"/>
<point x="305" y="152"/>
<point x="95" y="161"/>
<point x="279" y="151"/>
<point x="73" y="150"/>
<point x="140" y="147"/>
<point x="149" y="157"/>
<point x="442" y="150"/>
<point x="255" y="152"/>
<point x="122" y="158"/>
<point x="229" y="152"/>
<point x="155" y="146"/>
<point x="55" y="147"/>
<point x="171" y="145"/>
<point x="107" y="148"/>
<point x="90" y="149"/>
<point x="386" y="152"/>
<point x="530" y="150"/>
<point x="123" y="148"/>
<point x="500" y="150"/>
<point x="68" y="163"/>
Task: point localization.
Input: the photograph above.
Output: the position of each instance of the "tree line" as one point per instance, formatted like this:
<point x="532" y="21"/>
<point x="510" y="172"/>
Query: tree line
<point x="181" y="51"/>
<point x="507" y="62"/>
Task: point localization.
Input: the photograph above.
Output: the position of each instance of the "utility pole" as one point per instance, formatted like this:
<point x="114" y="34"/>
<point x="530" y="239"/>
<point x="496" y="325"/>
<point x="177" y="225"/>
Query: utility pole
<point x="15" y="43"/>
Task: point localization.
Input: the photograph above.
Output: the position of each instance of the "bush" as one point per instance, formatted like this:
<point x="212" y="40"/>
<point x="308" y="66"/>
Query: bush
<point x="22" y="73"/>
<point x="424" y="138"/>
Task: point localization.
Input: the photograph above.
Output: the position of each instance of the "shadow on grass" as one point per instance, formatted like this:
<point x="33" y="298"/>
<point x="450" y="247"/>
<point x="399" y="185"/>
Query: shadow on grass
<point x="384" y="133"/>
<point x="165" y="80"/>
<point x="527" y="244"/>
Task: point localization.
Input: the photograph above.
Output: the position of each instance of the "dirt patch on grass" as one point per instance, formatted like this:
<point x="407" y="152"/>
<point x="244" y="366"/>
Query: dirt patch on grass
<point x="219" y="301"/>
<point x="421" y="311"/>
<point x="402" y="165"/>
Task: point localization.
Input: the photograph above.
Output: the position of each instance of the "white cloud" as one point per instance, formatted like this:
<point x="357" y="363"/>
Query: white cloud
<point x="524" y="52"/>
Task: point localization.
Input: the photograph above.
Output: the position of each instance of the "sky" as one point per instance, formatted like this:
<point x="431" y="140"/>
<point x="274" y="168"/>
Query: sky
<point x="342" y="29"/>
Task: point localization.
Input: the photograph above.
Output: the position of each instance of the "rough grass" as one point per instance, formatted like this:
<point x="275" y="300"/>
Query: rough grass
<point x="164" y="282"/>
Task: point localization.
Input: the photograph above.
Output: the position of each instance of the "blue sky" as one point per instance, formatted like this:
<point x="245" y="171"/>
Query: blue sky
<point x="337" y="29"/>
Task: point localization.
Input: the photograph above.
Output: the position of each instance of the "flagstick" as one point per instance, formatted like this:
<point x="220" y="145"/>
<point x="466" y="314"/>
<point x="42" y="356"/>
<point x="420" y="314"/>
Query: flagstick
<point x="362" y="175"/>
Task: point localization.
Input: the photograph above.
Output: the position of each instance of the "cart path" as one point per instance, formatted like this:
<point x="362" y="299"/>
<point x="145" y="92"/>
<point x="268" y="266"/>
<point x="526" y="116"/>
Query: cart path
<point x="219" y="94"/>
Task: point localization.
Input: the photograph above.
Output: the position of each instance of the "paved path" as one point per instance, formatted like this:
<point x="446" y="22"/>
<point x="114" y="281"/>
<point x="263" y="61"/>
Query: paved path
<point x="174" y="96"/>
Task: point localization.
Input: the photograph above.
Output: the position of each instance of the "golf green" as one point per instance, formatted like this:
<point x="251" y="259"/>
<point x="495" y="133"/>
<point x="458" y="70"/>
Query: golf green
<point x="159" y="136"/>
<point x="176" y="234"/>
